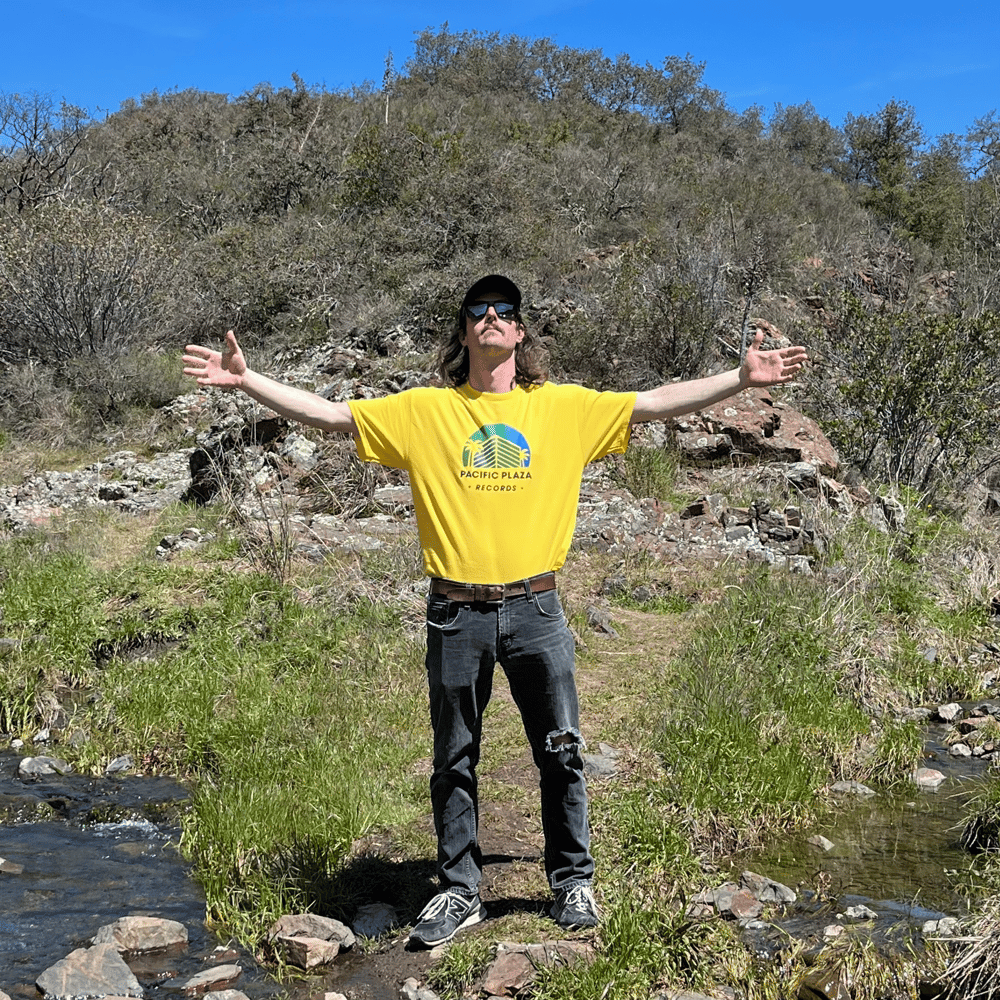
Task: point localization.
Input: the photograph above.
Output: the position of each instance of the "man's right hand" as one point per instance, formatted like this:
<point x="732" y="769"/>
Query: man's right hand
<point x="223" y="369"/>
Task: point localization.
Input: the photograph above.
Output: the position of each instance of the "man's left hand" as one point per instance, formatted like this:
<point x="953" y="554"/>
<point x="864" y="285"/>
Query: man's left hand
<point x="764" y="368"/>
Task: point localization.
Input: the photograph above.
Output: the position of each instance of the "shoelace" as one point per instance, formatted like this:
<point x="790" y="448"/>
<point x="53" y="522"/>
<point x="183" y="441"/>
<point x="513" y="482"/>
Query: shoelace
<point x="579" y="897"/>
<point x="445" y="902"/>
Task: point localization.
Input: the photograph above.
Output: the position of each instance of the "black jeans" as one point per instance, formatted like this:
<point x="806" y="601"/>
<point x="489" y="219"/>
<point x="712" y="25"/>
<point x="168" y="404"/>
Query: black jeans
<point x="528" y="636"/>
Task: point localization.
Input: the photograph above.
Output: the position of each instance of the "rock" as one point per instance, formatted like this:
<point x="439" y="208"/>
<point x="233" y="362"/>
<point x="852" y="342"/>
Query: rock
<point x="120" y="764"/>
<point x="851" y="788"/>
<point x="893" y="512"/>
<point x="189" y="538"/>
<point x="826" y="984"/>
<point x="516" y="965"/>
<point x="753" y="423"/>
<point x="11" y="867"/>
<point x="310" y="925"/>
<point x="711" y="507"/>
<point x="804" y="476"/>
<point x="218" y="975"/>
<point x="949" y="712"/>
<point x="600" y="620"/>
<point x="766" y="889"/>
<point x="603" y="764"/>
<point x="927" y="777"/>
<point x="306" y="952"/>
<point x="89" y="972"/>
<point x="300" y="451"/>
<point x="857" y="914"/>
<point x="818" y="840"/>
<point x="412" y="990"/>
<point x="139" y="934"/>
<point x="974" y="723"/>
<point x="737" y="903"/>
<point x="945" y="927"/>
<point x="375" y="919"/>
<point x="37" y="767"/>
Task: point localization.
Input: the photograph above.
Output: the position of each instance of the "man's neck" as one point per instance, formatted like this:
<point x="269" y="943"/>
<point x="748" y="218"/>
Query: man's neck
<point x="486" y="378"/>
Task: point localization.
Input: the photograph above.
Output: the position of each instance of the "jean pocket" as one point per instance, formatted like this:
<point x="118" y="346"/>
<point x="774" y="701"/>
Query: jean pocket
<point x="441" y="613"/>
<point x="548" y="605"/>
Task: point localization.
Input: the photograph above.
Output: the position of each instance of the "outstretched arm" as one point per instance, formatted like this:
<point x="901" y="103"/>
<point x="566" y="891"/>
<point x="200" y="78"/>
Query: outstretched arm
<point x="227" y="369"/>
<point x="759" y="369"/>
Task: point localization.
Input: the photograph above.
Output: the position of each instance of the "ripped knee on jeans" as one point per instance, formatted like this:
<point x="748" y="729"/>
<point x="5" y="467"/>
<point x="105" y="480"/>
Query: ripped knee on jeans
<point x="564" y="739"/>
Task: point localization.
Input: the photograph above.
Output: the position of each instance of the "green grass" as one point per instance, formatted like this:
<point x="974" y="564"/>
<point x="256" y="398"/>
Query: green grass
<point x="650" y="472"/>
<point x="297" y="713"/>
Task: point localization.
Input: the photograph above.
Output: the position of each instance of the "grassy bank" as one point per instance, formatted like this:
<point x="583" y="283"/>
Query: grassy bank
<point x="297" y="712"/>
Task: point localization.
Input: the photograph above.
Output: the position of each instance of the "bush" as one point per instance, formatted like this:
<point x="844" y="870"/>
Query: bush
<point x="916" y="393"/>
<point x="79" y="280"/>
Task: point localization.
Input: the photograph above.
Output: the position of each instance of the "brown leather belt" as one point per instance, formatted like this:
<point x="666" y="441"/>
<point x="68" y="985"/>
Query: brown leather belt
<point x="490" y="593"/>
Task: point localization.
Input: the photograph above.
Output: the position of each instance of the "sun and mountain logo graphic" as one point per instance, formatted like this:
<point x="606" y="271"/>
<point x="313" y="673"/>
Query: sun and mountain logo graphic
<point x="496" y="446"/>
<point x="496" y="452"/>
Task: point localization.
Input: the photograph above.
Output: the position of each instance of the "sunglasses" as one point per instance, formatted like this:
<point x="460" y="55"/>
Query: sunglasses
<point x="504" y="310"/>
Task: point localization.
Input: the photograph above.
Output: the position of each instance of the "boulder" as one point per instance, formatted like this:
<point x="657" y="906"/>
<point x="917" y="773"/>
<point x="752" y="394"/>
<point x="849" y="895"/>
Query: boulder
<point x="307" y="952"/>
<point x="89" y="972"/>
<point x="139" y="934"/>
<point x="218" y="975"/>
<point x="752" y="423"/>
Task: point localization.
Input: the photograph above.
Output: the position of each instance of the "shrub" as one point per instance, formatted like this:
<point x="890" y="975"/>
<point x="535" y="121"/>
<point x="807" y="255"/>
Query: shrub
<point x="916" y="393"/>
<point x="79" y="280"/>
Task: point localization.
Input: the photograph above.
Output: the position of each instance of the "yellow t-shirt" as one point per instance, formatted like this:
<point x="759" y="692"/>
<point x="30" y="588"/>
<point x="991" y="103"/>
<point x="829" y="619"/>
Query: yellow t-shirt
<point x="495" y="476"/>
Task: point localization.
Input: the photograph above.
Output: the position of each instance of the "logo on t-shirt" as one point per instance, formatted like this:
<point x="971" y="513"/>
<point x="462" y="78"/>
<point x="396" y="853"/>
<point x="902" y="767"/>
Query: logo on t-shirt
<point x="496" y="446"/>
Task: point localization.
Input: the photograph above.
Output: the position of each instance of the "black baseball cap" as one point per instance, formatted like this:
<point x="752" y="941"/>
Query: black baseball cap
<point x="494" y="283"/>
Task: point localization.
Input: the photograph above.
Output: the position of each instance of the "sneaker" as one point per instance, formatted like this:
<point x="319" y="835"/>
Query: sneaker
<point x="444" y="916"/>
<point x="575" y="907"/>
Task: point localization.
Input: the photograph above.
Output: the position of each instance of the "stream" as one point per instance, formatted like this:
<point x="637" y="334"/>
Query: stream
<point x="112" y="851"/>
<point x="895" y="852"/>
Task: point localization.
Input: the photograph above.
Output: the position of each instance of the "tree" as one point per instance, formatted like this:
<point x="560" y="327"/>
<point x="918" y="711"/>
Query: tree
<point x="39" y="143"/>
<point x="807" y="138"/>
<point x="938" y="197"/>
<point x="882" y="153"/>
<point x="982" y="219"/>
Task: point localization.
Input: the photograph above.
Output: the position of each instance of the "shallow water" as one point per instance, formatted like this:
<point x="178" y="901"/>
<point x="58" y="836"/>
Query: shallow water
<point x="79" y="875"/>
<point x="894" y="851"/>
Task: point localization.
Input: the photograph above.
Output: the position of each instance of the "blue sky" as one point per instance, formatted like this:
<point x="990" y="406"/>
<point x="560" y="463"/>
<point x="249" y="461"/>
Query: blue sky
<point x="845" y="57"/>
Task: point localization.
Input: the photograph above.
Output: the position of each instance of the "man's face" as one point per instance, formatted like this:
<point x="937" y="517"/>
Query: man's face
<point x="490" y="335"/>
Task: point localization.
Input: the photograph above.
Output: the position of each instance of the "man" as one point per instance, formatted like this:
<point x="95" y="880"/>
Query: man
<point x="495" y="461"/>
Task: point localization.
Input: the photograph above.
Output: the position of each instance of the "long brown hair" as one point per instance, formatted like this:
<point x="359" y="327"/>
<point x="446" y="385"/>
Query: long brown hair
<point x="531" y="360"/>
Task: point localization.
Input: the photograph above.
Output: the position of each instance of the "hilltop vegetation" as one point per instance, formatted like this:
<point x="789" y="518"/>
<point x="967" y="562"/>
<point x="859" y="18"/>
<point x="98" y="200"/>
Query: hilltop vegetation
<point x="645" y="219"/>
